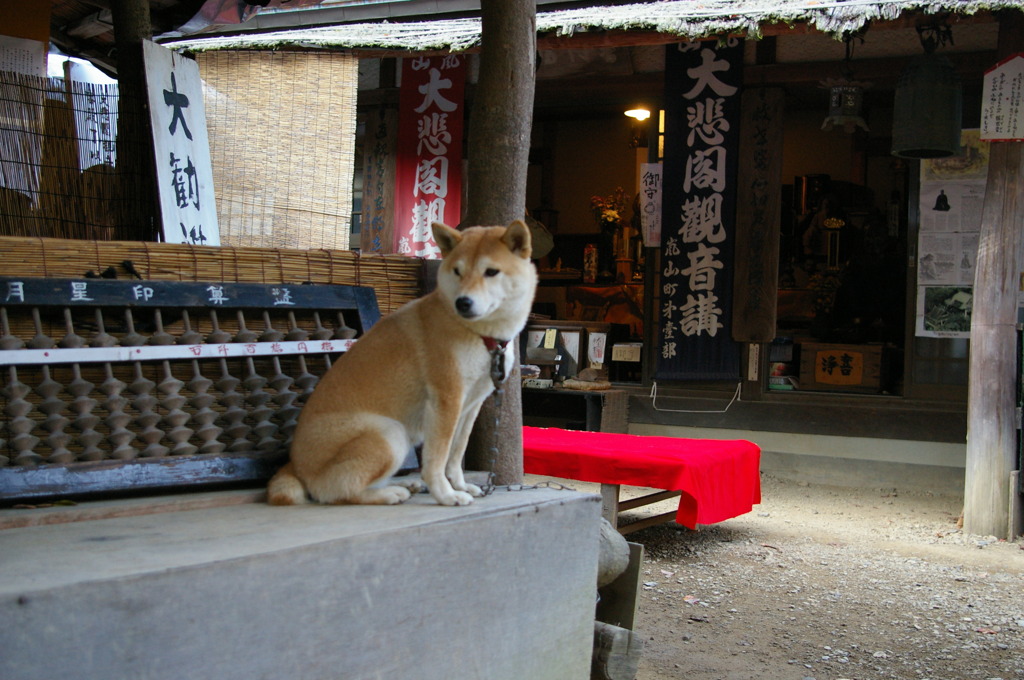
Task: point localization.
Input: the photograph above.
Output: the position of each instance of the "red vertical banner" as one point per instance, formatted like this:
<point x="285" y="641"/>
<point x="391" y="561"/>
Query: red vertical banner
<point x="428" y="173"/>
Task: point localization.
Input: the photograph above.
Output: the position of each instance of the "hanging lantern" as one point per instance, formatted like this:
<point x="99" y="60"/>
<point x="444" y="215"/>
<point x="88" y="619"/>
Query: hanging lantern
<point x="846" y="95"/>
<point x="845" y="104"/>
<point x="927" y="109"/>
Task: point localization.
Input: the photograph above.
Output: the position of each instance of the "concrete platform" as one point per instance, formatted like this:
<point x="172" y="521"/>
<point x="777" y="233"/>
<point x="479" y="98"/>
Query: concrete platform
<point x="501" y="589"/>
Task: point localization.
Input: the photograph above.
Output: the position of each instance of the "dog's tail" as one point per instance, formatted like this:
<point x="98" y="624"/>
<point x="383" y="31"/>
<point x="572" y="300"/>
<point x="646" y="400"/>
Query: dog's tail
<point x="285" y="488"/>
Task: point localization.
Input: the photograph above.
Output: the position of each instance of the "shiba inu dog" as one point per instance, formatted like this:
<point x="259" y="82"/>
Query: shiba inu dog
<point x="419" y="375"/>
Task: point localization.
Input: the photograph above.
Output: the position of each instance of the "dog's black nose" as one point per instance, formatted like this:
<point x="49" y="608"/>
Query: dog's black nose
<point x="464" y="305"/>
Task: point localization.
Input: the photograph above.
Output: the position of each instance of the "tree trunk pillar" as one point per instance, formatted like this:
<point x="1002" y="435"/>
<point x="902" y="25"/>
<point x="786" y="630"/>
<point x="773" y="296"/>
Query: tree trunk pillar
<point x="132" y="25"/>
<point x="500" y="123"/>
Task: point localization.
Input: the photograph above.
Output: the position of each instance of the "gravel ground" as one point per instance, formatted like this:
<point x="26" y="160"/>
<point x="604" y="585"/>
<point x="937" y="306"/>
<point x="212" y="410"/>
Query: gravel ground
<point x="830" y="583"/>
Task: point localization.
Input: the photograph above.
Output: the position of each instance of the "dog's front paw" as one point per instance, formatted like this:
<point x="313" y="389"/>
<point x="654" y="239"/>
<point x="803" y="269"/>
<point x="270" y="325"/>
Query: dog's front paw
<point x="462" y="485"/>
<point x="385" y="495"/>
<point x="453" y="498"/>
<point x="413" y="485"/>
<point x="393" y="495"/>
<point x="473" y="490"/>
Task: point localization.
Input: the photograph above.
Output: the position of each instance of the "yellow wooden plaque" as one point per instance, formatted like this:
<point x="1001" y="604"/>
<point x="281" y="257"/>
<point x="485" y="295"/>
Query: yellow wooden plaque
<point x="838" y="367"/>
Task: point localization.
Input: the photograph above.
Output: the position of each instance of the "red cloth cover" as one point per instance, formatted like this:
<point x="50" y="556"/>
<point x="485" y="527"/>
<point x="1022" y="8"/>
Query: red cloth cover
<point x="719" y="478"/>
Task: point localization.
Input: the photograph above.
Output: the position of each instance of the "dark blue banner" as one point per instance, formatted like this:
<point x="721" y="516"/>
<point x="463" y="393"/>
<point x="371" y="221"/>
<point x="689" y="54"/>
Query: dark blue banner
<point x="702" y="117"/>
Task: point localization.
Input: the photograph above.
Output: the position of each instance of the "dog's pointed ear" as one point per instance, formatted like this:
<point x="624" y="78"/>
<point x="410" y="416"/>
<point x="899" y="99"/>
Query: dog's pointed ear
<point x="517" y="238"/>
<point x="445" y="237"/>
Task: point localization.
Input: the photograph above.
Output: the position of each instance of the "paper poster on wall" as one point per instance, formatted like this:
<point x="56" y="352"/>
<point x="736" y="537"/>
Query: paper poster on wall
<point x="181" y="147"/>
<point x="953" y="188"/>
<point x="944" y="311"/>
<point x="952" y="198"/>
<point x="21" y="55"/>
<point x="97" y="104"/>
<point x="952" y="206"/>
<point x="947" y="258"/>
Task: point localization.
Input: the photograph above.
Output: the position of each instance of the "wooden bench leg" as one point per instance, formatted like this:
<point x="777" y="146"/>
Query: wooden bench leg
<point x="616" y="654"/>
<point x="649" y="522"/>
<point x="610" y="504"/>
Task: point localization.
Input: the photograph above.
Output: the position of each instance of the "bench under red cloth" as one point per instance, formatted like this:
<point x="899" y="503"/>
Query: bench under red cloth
<point x="719" y="478"/>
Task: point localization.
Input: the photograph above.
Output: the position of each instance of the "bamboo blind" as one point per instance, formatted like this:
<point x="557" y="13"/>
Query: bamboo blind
<point x="59" y="170"/>
<point x="282" y="144"/>
<point x="395" y="278"/>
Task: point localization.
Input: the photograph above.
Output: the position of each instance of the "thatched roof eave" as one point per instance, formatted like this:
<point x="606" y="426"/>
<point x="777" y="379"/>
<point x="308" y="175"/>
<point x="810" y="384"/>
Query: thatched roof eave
<point x="687" y="19"/>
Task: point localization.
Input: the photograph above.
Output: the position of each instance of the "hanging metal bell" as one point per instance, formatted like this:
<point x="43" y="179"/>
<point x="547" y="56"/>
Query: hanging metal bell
<point x="927" y="110"/>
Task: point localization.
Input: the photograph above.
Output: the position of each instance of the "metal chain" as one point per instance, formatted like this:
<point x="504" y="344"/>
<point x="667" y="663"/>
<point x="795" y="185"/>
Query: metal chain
<point x="488" y="487"/>
<point x="498" y="378"/>
<point x="547" y="484"/>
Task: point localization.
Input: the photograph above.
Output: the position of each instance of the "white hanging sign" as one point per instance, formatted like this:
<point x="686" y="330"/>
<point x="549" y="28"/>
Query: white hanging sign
<point x="650" y="203"/>
<point x="182" y="149"/>
<point x="596" y="343"/>
<point x="1002" y="101"/>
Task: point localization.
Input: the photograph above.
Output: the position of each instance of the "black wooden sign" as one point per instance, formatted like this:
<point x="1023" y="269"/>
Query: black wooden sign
<point x="42" y="292"/>
<point x="702" y="115"/>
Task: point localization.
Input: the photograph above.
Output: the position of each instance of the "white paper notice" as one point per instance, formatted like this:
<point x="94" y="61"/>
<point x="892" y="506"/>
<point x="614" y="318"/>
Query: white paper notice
<point x="1002" y="101"/>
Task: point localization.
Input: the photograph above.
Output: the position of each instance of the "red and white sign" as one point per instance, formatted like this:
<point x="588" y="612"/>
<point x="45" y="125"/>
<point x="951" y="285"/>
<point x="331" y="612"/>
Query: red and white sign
<point x="428" y="182"/>
<point x="1002" y="101"/>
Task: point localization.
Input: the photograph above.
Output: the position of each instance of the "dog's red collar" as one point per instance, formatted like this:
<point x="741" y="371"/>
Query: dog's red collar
<point x="493" y="344"/>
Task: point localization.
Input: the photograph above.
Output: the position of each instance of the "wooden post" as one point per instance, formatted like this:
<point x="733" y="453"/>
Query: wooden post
<point x="616" y="652"/>
<point x="757" y="228"/>
<point x="991" y="430"/>
<point x="377" y="230"/>
<point x="499" y="148"/>
<point x="758" y="211"/>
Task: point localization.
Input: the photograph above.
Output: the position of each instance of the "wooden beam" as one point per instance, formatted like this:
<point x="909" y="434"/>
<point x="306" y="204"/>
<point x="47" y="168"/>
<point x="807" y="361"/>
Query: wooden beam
<point x="969" y="65"/>
<point x="607" y="92"/>
<point x="75" y="48"/>
<point x="117" y="476"/>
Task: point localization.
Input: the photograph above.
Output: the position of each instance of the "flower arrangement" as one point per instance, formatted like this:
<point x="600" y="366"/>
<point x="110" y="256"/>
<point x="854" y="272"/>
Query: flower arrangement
<point x="825" y="285"/>
<point x="609" y="211"/>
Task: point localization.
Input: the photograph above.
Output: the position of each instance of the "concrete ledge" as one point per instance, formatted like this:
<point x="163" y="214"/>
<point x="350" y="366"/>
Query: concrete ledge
<point x="503" y="588"/>
<point x="872" y="474"/>
<point x="844" y="461"/>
